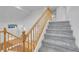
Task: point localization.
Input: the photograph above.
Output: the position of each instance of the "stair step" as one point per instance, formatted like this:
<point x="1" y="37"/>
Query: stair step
<point x="60" y="48"/>
<point x="69" y="33"/>
<point x="65" y="39"/>
<point x="53" y="48"/>
<point x="58" y="25"/>
<point x="55" y="27"/>
<point x="59" y="31"/>
<point x="57" y="36"/>
<point x="60" y="43"/>
<point x="46" y="49"/>
<point x="60" y="22"/>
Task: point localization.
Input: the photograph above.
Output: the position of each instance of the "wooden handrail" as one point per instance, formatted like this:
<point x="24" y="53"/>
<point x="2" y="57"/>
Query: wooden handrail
<point x="13" y="35"/>
<point x="38" y="20"/>
<point x="5" y="43"/>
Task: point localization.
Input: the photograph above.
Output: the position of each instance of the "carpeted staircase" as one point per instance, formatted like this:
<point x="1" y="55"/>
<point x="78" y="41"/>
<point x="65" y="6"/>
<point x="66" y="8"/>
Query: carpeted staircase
<point x="58" y="38"/>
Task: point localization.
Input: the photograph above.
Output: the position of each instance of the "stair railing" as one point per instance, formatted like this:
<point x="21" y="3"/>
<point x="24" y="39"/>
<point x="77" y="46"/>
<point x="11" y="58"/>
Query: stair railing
<point x="9" y="41"/>
<point x="32" y="37"/>
<point x="27" y="42"/>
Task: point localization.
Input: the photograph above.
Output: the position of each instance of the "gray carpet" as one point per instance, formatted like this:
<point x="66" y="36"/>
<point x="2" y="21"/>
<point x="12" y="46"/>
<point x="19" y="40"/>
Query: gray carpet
<point x="58" y="38"/>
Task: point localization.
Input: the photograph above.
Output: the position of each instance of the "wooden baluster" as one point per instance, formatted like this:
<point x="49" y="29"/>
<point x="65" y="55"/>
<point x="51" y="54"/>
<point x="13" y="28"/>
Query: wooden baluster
<point x="0" y="42"/>
<point x="38" y="31"/>
<point x="37" y="28"/>
<point x="8" y="42"/>
<point x="24" y="39"/>
<point x="28" y="42"/>
<point x="18" y="45"/>
<point x="35" y="35"/>
<point x="31" y="41"/>
<point x="5" y="47"/>
<point x="11" y="42"/>
<point x="15" y="44"/>
<point x="34" y="38"/>
<point x="18" y="49"/>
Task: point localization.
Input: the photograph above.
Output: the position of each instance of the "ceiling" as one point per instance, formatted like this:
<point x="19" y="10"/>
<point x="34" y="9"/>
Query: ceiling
<point x="13" y="13"/>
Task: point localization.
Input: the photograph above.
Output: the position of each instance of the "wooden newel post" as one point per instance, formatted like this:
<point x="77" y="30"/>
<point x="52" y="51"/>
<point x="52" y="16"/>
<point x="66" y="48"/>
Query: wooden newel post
<point x="50" y="12"/>
<point x="24" y="38"/>
<point x="5" y="48"/>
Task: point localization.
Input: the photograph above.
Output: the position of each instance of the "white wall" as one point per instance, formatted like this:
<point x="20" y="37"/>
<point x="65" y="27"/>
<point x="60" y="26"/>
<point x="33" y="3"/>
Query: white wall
<point x="61" y="13"/>
<point x="73" y="14"/>
<point x="27" y="23"/>
<point x="70" y="13"/>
